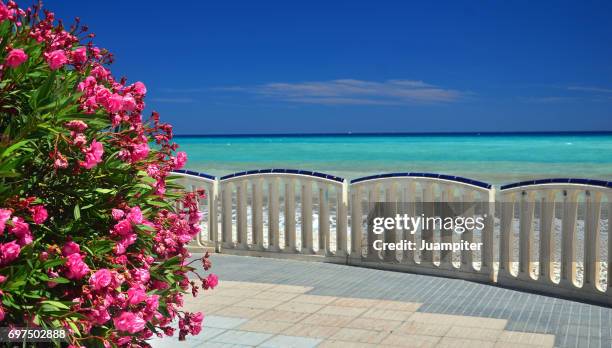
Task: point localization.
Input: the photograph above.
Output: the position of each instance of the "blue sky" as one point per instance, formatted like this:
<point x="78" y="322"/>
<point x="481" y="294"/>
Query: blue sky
<point x="219" y="67"/>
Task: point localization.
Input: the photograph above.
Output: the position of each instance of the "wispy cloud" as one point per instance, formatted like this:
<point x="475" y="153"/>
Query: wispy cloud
<point x="352" y="92"/>
<point x="590" y="89"/>
<point x="172" y="100"/>
<point x="548" y="99"/>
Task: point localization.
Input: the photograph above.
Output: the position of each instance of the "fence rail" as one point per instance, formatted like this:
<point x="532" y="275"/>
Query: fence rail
<point x="549" y="236"/>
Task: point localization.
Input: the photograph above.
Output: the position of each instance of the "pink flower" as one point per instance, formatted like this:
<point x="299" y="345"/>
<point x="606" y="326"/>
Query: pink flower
<point x="117" y="214"/>
<point x="152" y="303"/>
<point x="141" y="275"/>
<point x="129" y="322"/>
<point x="5" y="215"/>
<point x="60" y="161"/>
<point x="99" y="315"/>
<point x="123" y="228"/>
<point x="21" y="230"/>
<point x="4" y="14"/>
<point x="136" y="295"/>
<point x="140" y="151"/>
<point x="179" y="160"/>
<point x="39" y="214"/>
<point x="76" y="125"/>
<point x="56" y="59"/>
<point x="129" y="103"/>
<point x="2" y="279"/>
<point x="16" y="57"/>
<point x="102" y="95"/>
<point x="135" y="215"/>
<point x="70" y="248"/>
<point x="79" y="55"/>
<point x="211" y="281"/>
<point x="9" y="252"/>
<point x="93" y="155"/>
<point x="101" y="279"/>
<point x="140" y="88"/>
<point x="99" y="72"/>
<point x="114" y="103"/>
<point x="75" y="267"/>
<point x="79" y="139"/>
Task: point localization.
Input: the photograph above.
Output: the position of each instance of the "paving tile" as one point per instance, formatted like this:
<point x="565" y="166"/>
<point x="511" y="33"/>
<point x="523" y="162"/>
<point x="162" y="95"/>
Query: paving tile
<point x="286" y="316"/>
<point x="275" y="295"/>
<point x="398" y="305"/>
<point x="218" y="345"/>
<point x="299" y="307"/>
<point x="231" y="292"/>
<point x="217" y="300"/>
<point x="327" y="320"/>
<point x="172" y="342"/>
<point x="516" y="345"/>
<point x="345" y="344"/>
<point x="416" y="328"/>
<point x="474" y="333"/>
<point x="316" y="299"/>
<point x="243" y="285"/>
<point x="207" y="309"/>
<point x="458" y="320"/>
<point x="527" y="338"/>
<point x="258" y="303"/>
<point x="266" y="326"/>
<point x="375" y="313"/>
<point x="208" y="332"/>
<point x="342" y="310"/>
<point x="453" y="342"/>
<point x="291" y="288"/>
<point x="360" y="335"/>
<point x="411" y="341"/>
<point x="355" y="302"/>
<point x="215" y="321"/>
<point x="282" y="341"/>
<point x="240" y="312"/>
<point x="374" y="324"/>
<point x="309" y="330"/>
<point x="241" y="337"/>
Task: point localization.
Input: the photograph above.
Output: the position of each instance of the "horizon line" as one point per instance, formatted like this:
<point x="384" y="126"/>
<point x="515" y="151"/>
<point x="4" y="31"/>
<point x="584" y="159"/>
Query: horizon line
<point x="349" y="134"/>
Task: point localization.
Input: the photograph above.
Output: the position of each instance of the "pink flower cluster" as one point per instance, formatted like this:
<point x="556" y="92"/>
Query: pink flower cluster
<point x="120" y="291"/>
<point x="19" y="229"/>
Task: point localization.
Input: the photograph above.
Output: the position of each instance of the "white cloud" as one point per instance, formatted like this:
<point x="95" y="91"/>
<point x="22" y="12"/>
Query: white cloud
<point x="353" y="92"/>
<point x="590" y="89"/>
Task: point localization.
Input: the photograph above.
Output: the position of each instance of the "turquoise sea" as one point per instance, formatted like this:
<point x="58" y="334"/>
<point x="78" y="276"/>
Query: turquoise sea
<point x="493" y="158"/>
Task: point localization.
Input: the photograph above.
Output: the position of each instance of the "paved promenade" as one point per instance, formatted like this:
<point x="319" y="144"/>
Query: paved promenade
<point x="281" y="303"/>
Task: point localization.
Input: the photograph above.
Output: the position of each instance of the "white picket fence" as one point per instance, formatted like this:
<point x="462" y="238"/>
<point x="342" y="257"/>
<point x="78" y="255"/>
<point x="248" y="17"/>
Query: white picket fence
<point x="530" y="239"/>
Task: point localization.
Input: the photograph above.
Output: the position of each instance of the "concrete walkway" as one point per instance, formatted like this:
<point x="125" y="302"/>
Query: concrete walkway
<point x="281" y="303"/>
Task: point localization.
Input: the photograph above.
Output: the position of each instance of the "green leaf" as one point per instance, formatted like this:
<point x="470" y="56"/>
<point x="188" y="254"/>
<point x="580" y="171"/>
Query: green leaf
<point x="77" y="212"/>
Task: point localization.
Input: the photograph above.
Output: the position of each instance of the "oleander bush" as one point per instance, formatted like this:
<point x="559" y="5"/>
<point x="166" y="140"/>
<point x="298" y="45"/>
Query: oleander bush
<point x="93" y="227"/>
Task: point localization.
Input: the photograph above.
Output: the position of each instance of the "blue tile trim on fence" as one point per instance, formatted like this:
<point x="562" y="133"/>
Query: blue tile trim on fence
<point x="284" y="171"/>
<point x="191" y="172"/>
<point x="425" y="175"/>
<point x="592" y="182"/>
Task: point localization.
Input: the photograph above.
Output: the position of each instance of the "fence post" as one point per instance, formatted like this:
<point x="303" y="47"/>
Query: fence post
<point x="356" y="232"/>
<point x="341" y="224"/>
<point x="213" y="224"/>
